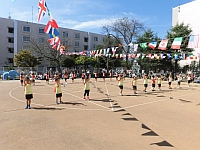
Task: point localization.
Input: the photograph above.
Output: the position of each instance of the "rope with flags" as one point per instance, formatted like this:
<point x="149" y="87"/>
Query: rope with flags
<point x="51" y="28"/>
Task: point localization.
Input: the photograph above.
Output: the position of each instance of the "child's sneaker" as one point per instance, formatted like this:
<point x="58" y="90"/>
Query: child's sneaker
<point x="26" y="107"/>
<point x="61" y="102"/>
<point x="84" y="98"/>
<point x="56" y="103"/>
<point x="29" y="107"/>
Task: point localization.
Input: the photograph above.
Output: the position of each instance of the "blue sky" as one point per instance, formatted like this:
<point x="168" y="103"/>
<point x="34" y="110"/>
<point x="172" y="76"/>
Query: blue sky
<point x="90" y="15"/>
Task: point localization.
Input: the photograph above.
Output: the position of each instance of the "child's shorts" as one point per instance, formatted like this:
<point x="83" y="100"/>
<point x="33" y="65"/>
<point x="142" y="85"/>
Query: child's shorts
<point x="145" y="85"/>
<point x="170" y="83"/>
<point x="121" y="87"/>
<point x="134" y="87"/>
<point x="179" y="83"/>
<point x="153" y="85"/>
<point x="159" y="85"/>
<point x="189" y="81"/>
<point x="29" y="96"/>
<point x="58" y="95"/>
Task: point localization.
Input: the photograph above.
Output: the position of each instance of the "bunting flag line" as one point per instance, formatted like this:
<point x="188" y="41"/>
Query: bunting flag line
<point x="152" y="45"/>
<point x="193" y="41"/>
<point x="42" y="8"/>
<point x="163" y="44"/>
<point x="177" y="43"/>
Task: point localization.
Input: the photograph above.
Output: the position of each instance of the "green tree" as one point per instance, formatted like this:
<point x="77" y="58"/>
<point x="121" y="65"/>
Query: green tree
<point x="146" y="63"/>
<point x="85" y="61"/>
<point x="68" y="61"/>
<point x="179" y="30"/>
<point x="25" y="59"/>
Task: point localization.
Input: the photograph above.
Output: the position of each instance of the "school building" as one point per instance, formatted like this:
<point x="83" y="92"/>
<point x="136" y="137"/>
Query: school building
<point x="15" y="35"/>
<point x="188" y="14"/>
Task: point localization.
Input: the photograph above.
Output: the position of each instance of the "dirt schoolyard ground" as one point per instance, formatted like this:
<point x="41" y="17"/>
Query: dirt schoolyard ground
<point x="155" y="120"/>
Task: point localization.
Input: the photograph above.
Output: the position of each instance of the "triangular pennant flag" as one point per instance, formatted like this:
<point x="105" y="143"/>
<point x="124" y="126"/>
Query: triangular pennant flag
<point x="177" y="43"/>
<point x="163" y="44"/>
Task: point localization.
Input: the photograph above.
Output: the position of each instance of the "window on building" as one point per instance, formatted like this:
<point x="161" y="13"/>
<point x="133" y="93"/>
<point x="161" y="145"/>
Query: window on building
<point x="10" y="50"/>
<point x="94" y="46"/>
<point x="77" y="35"/>
<point x="65" y="34"/>
<point x="10" y="60"/>
<point x="10" y="40"/>
<point x="64" y="42"/>
<point x="85" y="47"/>
<point x="26" y="38"/>
<point x="103" y="39"/>
<point x="10" y="30"/>
<point x="25" y="47"/>
<point x="41" y="30"/>
<point x="95" y="38"/>
<point x="26" y="29"/>
<point x="85" y="39"/>
<point x="41" y="40"/>
<point x="76" y="44"/>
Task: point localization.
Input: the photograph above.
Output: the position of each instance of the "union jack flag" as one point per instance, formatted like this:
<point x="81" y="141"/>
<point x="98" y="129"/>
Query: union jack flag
<point x="42" y="9"/>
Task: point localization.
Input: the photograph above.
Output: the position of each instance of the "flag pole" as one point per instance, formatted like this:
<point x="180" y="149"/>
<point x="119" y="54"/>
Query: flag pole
<point x="32" y="13"/>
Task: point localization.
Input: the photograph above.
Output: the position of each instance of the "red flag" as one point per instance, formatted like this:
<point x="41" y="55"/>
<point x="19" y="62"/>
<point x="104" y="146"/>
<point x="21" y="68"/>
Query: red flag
<point x="163" y="44"/>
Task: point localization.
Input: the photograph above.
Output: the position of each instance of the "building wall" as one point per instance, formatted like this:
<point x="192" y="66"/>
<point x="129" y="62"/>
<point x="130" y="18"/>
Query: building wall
<point x="189" y="14"/>
<point x="12" y="43"/>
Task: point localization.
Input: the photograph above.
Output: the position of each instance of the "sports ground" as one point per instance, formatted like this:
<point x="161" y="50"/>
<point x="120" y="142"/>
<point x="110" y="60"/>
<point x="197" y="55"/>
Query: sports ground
<point x="158" y="120"/>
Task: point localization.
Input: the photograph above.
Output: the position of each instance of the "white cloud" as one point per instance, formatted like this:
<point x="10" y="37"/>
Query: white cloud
<point x="93" y="24"/>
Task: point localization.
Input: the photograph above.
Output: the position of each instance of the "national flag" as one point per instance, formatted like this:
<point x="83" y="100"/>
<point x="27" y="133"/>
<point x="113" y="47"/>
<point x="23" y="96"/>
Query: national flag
<point x="193" y="41"/>
<point x="135" y="47"/>
<point x="177" y="43"/>
<point x="152" y="45"/>
<point x="42" y="8"/>
<point x="143" y="45"/>
<point x="163" y="44"/>
<point x="54" y="42"/>
<point x="49" y="29"/>
<point x="183" y="56"/>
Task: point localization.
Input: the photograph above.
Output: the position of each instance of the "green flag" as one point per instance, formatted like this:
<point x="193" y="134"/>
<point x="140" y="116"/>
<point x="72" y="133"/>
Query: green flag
<point x="143" y="45"/>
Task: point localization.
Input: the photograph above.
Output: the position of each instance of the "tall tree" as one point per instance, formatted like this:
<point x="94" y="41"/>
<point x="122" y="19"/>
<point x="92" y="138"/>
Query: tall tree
<point x="25" y="59"/>
<point x="48" y="54"/>
<point x="179" y="30"/>
<point x="125" y="31"/>
<point x="148" y="63"/>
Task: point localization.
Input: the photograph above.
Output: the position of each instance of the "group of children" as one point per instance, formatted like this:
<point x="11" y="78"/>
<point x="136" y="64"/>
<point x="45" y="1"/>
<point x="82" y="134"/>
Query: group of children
<point x="153" y="79"/>
<point x="26" y="82"/>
